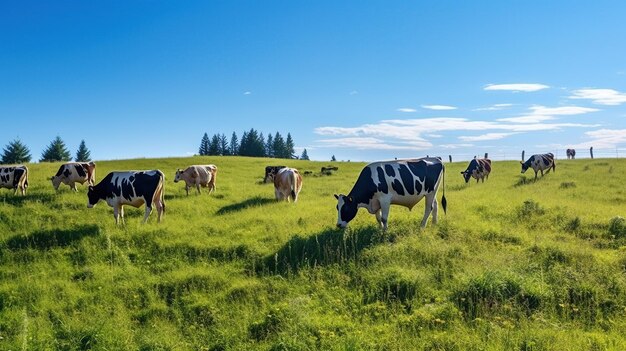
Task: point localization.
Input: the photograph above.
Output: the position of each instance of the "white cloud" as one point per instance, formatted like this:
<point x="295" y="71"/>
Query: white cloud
<point x="525" y="87"/>
<point x="600" y="96"/>
<point x="354" y="92"/>
<point x="439" y="107"/>
<point x="604" y="139"/>
<point x="247" y="92"/>
<point x="495" y="107"/>
<point x="540" y="114"/>
<point x="406" y="109"/>
<point x="455" y="146"/>
<point x="369" y="143"/>
<point x="526" y="119"/>
<point x="488" y="136"/>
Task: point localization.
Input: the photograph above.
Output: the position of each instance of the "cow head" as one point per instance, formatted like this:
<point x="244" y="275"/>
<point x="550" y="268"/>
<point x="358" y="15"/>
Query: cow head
<point x="346" y="210"/>
<point x="92" y="197"/>
<point x="177" y="178"/>
<point x="466" y="175"/>
<point x="525" y="166"/>
<point x="56" y="181"/>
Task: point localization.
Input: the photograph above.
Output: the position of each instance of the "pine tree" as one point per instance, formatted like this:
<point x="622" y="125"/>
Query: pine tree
<point x="214" y="146"/>
<point x="289" y="147"/>
<point x="243" y="145"/>
<point x="225" y="150"/>
<point x="333" y="159"/>
<point x="304" y="156"/>
<point x="234" y="144"/>
<point x="15" y="152"/>
<point x="56" y="151"/>
<point x="82" y="154"/>
<point x="269" y="146"/>
<point x="279" y="146"/>
<point x="204" y="145"/>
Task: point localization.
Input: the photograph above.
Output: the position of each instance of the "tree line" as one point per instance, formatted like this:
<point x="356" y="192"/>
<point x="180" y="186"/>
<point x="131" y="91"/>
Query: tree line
<point x="253" y="143"/>
<point x="17" y="152"/>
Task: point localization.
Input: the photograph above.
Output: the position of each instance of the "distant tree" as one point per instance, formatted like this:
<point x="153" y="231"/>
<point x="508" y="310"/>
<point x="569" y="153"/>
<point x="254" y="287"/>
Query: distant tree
<point x="269" y="146"/>
<point x="304" y="156"/>
<point x="224" y="149"/>
<point x="255" y="146"/>
<point x="234" y="144"/>
<point x="289" y="147"/>
<point x="204" y="145"/>
<point x="82" y="154"/>
<point x="56" y="151"/>
<point x="279" y="146"/>
<point x="214" y="145"/>
<point x="15" y="152"/>
<point x="333" y="159"/>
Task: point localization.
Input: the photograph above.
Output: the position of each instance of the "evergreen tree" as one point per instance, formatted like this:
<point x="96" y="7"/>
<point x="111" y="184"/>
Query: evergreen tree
<point x="204" y="145"/>
<point x="82" y="154"/>
<point x="234" y="145"/>
<point x="304" y="155"/>
<point x="289" y="147"/>
<point x="261" y="145"/>
<point x="15" y="152"/>
<point x="243" y="145"/>
<point x="269" y="146"/>
<point x="279" y="146"/>
<point x="225" y="150"/>
<point x="56" y="151"/>
<point x="214" y="146"/>
<point x="333" y="159"/>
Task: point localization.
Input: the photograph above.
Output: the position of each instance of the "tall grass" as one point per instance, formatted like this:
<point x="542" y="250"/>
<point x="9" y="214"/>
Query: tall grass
<point x="516" y="264"/>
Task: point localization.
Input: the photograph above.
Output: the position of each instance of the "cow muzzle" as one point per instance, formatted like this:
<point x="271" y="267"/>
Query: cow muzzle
<point x="342" y="225"/>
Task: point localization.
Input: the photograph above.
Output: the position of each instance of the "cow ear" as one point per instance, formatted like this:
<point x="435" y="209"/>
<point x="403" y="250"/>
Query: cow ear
<point x="336" y="196"/>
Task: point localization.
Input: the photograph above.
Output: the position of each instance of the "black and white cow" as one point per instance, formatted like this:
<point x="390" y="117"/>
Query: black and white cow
<point x="75" y="172"/>
<point x="539" y="162"/>
<point x="478" y="168"/>
<point x="133" y="188"/>
<point x="571" y="153"/>
<point x="398" y="182"/>
<point x="14" y="177"/>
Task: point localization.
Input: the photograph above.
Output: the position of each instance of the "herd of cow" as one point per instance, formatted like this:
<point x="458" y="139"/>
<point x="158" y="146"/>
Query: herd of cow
<point x="379" y="185"/>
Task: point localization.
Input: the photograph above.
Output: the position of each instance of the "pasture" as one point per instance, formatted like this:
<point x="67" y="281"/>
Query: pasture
<point x="514" y="265"/>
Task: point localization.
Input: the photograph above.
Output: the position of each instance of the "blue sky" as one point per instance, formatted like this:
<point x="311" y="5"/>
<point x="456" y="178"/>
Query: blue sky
<point x="360" y="80"/>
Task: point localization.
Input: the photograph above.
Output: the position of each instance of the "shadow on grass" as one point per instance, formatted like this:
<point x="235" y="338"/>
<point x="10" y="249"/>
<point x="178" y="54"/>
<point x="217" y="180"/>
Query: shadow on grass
<point x="240" y="206"/>
<point x="522" y="181"/>
<point x="19" y="200"/>
<point x="45" y="239"/>
<point x="327" y="247"/>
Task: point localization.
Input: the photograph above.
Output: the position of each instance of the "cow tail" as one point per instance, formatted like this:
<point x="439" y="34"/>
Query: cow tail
<point x="26" y="180"/>
<point x="444" y="202"/>
<point x="294" y="184"/>
<point x="163" y="191"/>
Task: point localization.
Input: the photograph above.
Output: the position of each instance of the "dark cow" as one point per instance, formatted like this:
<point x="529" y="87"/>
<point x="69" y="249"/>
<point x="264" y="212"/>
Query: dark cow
<point x="398" y="182"/>
<point x="539" y="162"/>
<point x="14" y="177"/>
<point x="478" y="168"/>
<point x="75" y="172"/>
<point x="270" y="172"/>
<point x="571" y="154"/>
<point x="133" y="188"/>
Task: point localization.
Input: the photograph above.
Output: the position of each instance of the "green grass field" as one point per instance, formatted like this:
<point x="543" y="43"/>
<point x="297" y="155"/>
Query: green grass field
<point x="514" y="265"/>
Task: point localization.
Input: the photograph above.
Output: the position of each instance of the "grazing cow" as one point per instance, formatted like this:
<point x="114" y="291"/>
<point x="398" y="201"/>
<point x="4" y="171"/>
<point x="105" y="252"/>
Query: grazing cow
<point x="539" y="162"/>
<point x="75" y="172"/>
<point x="14" y="177"/>
<point x="478" y="168"/>
<point x="197" y="175"/>
<point x="571" y="154"/>
<point x="287" y="184"/>
<point x="133" y="188"/>
<point x="270" y="172"/>
<point x="397" y="182"/>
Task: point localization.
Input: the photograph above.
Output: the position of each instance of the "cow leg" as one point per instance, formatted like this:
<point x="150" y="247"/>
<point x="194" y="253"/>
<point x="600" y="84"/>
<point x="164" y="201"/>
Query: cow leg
<point x="435" y="206"/>
<point x="122" y="215"/>
<point x="148" y="211"/>
<point x="535" y="175"/>
<point x="428" y="208"/>
<point x="384" y="214"/>
<point x="277" y="194"/>
<point x="198" y="188"/>
<point x="379" y="218"/>
<point x="73" y="187"/>
<point x="116" y="214"/>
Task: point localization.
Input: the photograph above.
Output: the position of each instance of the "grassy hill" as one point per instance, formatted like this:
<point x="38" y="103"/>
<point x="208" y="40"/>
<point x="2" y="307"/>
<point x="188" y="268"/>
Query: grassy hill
<point x="514" y="265"/>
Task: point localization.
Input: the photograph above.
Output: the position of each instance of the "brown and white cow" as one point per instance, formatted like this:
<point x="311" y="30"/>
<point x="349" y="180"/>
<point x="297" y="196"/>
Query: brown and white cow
<point x="270" y="172"/>
<point x="75" y="172"/>
<point x="197" y="175"/>
<point x="287" y="184"/>
<point x="14" y="177"/>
